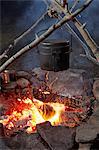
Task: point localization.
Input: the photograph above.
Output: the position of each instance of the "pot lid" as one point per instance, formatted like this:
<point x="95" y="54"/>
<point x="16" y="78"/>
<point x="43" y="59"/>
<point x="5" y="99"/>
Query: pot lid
<point x="54" y="42"/>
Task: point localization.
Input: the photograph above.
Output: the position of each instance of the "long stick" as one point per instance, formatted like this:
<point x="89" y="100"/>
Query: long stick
<point x="4" y="54"/>
<point x="44" y="35"/>
<point x="85" y="34"/>
<point x="85" y="47"/>
<point x="31" y="28"/>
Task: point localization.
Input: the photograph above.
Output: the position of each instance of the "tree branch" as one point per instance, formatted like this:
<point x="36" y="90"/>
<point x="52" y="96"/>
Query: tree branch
<point x="11" y="46"/>
<point x="30" y="29"/>
<point x="44" y="35"/>
<point x="85" y="47"/>
<point x="74" y="5"/>
<point x="4" y="54"/>
<point x="85" y="34"/>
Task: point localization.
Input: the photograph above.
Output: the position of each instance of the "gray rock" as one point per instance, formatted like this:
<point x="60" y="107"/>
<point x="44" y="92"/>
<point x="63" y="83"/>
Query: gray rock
<point x="10" y="86"/>
<point x="1" y="109"/>
<point x="1" y="130"/>
<point x="3" y="145"/>
<point x="84" y="146"/>
<point x="57" y="137"/>
<point x="96" y="89"/>
<point x="23" y="83"/>
<point x="23" y="74"/>
<point x="88" y="131"/>
<point x="71" y="82"/>
<point x="24" y="141"/>
<point x="2" y="139"/>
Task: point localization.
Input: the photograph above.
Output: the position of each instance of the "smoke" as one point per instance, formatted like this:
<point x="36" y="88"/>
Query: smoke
<point x="17" y="16"/>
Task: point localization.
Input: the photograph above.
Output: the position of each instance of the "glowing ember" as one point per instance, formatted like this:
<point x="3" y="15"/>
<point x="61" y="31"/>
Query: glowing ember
<point x="33" y="113"/>
<point x="25" y="113"/>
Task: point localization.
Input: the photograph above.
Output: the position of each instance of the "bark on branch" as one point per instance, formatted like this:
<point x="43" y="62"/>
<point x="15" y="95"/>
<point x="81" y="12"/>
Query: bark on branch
<point x="85" y="47"/>
<point x="44" y="35"/>
<point x="11" y="46"/>
<point x="30" y="29"/>
<point x="85" y="34"/>
<point x="74" y="5"/>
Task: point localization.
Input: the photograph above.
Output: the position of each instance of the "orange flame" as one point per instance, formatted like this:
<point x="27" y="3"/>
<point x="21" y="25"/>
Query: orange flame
<point x="36" y="112"/>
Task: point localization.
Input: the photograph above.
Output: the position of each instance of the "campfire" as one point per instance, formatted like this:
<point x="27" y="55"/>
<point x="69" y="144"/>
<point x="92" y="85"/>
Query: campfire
<point x="56" y="105"/>
<point x="37" y="104"/>
<point x="26" y="113"/>
<point x="30" y="113"/>
<point x="26" y="105"/>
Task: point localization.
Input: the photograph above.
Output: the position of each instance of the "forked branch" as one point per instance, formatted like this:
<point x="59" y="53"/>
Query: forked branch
<point x="44" y="35"/>
<point x="81" y="28"/>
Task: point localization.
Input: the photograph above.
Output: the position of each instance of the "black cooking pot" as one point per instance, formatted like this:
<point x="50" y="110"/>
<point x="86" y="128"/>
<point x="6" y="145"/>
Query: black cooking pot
<point x="54" y="55"/>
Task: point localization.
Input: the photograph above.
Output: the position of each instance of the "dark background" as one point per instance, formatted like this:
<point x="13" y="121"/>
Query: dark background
<point x="19" y="15"/>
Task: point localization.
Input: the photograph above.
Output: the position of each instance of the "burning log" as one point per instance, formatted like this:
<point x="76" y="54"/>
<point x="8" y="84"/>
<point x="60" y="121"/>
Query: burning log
<point x="47" y="111"/>
<point x="29" y="113"/>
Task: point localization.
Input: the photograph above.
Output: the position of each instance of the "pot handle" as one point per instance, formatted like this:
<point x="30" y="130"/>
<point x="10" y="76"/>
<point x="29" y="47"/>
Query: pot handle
<point x="37" y="51"/>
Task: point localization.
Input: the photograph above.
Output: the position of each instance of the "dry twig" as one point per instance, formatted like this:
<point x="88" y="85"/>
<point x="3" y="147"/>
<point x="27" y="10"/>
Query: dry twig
<point x="74" y="5"/>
